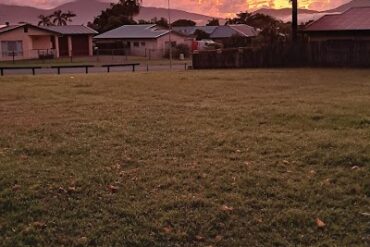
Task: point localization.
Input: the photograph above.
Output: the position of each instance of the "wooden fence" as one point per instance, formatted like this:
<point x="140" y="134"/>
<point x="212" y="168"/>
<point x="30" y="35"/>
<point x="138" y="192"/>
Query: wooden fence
<point x="282" y="55"/>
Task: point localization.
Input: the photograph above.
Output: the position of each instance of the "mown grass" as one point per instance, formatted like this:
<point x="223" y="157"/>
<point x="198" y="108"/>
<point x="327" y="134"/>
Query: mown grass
<point x="198" y="158"/>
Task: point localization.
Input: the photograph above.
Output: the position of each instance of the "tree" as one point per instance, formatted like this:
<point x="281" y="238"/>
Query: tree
<point x="44" y="20"/>
<point x="270" y="28"/>
<point x="294" y="20"/>
<point x="160" y="22"/>
<point x="61" y="19"/>
<point x="200" y="34"/>
<point x="213" y="22"/>
<point x="121" y="13"/>
<point x="163" y="22"/>
<point x="184" y="23"/>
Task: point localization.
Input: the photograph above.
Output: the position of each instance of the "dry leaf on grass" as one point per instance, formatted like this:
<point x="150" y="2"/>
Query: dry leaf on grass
<point x="320" y="223"/>
<point x="16" y="187"/>
<point x="39" y="224"/>
<point x="167" y="229"/>
<point x="218" y="238"/>
<point x="199" y="238"/>
<point x="226" y="208"/>
<point x="71" y="189"/>
<point x="113" y="189"/>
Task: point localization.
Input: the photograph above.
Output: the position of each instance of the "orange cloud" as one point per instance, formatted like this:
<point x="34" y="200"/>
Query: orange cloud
<point x="208" y="7"/>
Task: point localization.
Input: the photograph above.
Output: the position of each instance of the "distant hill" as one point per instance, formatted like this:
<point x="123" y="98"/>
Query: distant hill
<point x="307" y="15"/>
<point x="353" y="3"/>
<point x="86" y="10"/>
<point x="283" y="13"/>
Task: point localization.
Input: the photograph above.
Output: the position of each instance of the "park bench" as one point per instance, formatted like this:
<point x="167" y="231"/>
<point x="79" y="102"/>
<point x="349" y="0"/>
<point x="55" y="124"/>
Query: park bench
<point x="33" y="68"/>
<point x="108" y="66"/>
<point x="59" y="67"/>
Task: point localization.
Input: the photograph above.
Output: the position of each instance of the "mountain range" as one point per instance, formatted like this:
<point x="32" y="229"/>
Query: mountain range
<point x="86" y="10"/>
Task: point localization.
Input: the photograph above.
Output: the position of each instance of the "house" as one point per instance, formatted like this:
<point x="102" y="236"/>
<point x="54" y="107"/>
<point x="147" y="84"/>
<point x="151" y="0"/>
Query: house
<point x="221" y="34"/>
<point x="341" y="29"/>
<point x="74" y="40"/>
<point x="26" y="41"/>
<point x="140" y="40"/>
<point x="340" y="39"/>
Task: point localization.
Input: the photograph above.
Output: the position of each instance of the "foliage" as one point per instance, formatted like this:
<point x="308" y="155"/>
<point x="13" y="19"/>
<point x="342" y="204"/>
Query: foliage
<point x="236" y="41"/>
<point x="61" y="18"/>
<point x="213" y="22"/>
<point x="118" y="14"/>
<point x="162" y="22"/>
<point x="58" y="18"/>
<point x="44" y="20"/>
<point x="183" y="23"/>
<point x="200" y="34"/>
<point x="271" y="30"/>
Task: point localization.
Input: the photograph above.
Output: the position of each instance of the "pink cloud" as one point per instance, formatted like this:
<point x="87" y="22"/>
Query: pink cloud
<point x="209" y="7"/>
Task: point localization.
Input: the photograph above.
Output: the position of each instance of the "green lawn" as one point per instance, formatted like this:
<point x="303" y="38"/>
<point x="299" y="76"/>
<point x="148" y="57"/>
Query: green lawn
<point x="197" y="158"/>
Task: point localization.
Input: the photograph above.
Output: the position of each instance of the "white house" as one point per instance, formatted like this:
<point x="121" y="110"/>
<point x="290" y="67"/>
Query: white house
<point x="140" y="40"/>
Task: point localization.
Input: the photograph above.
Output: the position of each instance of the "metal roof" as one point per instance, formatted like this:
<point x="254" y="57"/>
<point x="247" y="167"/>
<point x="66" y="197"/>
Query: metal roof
<point x="190" y="30"/>
<point x="148" y="31"/>
<point x="245" y="30"/>
<point x="6" y="28"/>
<point x="71" y="29"/>
<point x="353" y="19"/>
<point x="64" y="30"/>
<point x="218" y="32"/>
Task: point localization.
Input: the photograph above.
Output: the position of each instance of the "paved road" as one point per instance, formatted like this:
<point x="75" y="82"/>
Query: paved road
<point x="143" y="67"/>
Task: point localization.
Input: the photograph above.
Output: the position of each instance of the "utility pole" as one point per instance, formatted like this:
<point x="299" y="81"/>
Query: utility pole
<point x="170" y="33"/>
<point x="294" y="21"/>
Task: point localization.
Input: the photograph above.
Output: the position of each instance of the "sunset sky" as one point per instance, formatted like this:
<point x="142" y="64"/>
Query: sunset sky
<point x="209" y="7"/>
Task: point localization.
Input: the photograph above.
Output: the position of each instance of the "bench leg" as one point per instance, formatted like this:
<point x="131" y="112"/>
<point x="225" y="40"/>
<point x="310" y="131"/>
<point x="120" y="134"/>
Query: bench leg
<point x="87" y="70"/>
<point x="2" y="72"/>
<point x="33" y="71"/>
<point x="133" y="68"/>
<point x="58" y="71"/>
<point x="108" y="69"/>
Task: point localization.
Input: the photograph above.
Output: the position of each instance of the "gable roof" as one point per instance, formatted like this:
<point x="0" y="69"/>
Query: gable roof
<point x="147" y="31"/>
<point x="217" y="32"/>
<point x="63" y="30"/>
<point x="72" y="29"/>
<point x="190" y="30"/>
<point x="9" y="28"/>
<point x="353" y="19"/>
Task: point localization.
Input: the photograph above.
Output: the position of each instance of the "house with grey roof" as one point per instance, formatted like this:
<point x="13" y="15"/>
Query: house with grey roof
<point x="221" y="34"/>
<point x="27" y="41"/>
<point x="140" y="40"/>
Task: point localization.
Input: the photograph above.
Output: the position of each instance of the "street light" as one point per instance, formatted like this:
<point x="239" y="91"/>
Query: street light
<point x="170" y="34"/>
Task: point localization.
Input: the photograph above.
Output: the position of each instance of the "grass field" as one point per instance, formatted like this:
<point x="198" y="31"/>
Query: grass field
<point x="197" y="158"/>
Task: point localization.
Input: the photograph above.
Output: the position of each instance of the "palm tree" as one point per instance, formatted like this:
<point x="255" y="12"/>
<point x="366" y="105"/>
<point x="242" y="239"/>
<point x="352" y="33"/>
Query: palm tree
<point x="294" y="20"/>
<point x="44" y="20"/>
<point x="69" y="15"/>
<point x="61" y="19"/>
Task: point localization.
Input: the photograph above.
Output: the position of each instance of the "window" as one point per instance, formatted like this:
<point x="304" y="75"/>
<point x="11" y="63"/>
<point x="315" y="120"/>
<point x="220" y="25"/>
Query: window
<point x="136" y="44"/>
<point x="10" y="48"/>
<point x="142" y="43"/>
